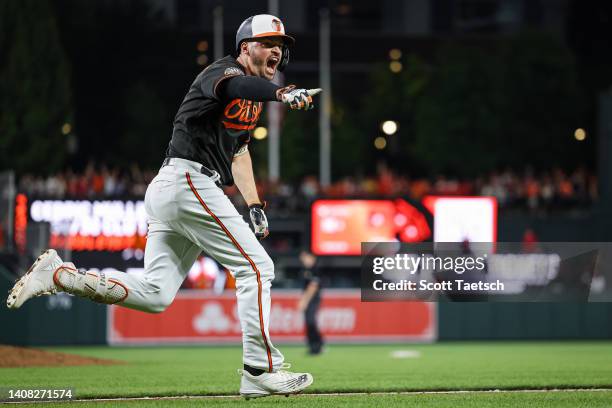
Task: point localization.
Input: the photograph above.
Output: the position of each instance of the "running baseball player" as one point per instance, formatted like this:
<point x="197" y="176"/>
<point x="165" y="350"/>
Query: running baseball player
<point x="189" y="212"/>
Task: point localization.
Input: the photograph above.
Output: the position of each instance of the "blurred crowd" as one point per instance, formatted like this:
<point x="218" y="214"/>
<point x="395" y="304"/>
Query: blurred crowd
<point x="94" y="182"/>
<point x="551" y="189"/>
<point x="542" y="192"/>
<point x="555" y="189"/>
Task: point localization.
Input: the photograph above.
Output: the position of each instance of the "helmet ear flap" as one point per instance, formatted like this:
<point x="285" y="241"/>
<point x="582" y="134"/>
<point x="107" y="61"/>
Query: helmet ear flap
<point x="284" y="59"/>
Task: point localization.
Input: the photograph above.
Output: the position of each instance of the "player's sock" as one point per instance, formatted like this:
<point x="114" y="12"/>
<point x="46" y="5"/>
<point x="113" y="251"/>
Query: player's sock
<point x="253" y="371"/>
<point x="89" y="284"/>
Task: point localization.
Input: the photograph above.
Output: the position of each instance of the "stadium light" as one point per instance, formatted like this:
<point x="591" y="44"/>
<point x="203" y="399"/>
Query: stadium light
<point x="395" y="67"/>
<point x="202" y="59"/>
<point x="380" y="142"/>
<point x="202" y="46"/>
<point x="260" y="133"/>
<point x="580" y="134"/>
<point x="395" y="54"/>
<point x="389" y="127"/>
<point x="66" y="128"/>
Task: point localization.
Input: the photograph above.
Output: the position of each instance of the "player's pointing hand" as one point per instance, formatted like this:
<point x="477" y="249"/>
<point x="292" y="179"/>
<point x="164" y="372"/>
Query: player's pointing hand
<point x="299" y="98"/>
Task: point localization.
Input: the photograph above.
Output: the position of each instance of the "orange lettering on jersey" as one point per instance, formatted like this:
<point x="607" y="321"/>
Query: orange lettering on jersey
<point x="242" y="114"/>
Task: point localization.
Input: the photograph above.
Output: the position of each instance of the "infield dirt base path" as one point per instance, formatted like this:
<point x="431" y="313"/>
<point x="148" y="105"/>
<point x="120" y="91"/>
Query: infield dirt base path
<point x="11" y="356"/>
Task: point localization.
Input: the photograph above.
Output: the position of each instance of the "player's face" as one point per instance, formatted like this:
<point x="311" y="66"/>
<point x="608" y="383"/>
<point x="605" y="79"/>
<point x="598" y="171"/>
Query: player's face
<point x="265" y="56"/>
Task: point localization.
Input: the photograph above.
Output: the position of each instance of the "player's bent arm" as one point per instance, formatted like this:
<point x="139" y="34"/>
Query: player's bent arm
<point x="242" y="170"/>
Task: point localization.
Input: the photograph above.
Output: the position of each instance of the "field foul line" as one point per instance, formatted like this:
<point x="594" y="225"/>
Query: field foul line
<point x="323" y="394"/>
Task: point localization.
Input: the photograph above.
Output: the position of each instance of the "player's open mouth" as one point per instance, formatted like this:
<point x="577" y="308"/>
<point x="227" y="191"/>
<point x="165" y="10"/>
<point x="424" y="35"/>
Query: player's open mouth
<point x="272" y="63"/>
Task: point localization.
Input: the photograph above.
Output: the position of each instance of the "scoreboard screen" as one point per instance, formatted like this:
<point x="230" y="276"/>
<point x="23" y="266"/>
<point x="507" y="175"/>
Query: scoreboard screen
<point x="88" y="225"/>
<point x="340" y="226"/>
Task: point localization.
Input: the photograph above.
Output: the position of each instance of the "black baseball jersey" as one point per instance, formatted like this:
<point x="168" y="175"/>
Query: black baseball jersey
<point x="209" y="130"/>
<point x="312" y="275"/>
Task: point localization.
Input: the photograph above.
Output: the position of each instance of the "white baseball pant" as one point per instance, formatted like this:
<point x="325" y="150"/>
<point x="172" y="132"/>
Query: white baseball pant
<point x="189" y="213"/>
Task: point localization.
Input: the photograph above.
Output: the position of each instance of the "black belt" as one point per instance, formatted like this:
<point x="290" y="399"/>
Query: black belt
<point x="204" y="170"/>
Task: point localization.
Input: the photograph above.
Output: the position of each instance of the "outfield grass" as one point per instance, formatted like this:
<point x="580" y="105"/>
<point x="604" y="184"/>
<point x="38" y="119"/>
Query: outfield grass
<point x="499" y="400"/>
<point x="175" y="371"/>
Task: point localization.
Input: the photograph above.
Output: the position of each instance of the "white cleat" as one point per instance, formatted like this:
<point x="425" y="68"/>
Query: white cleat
<point x="280" y="382"/>
<point x="37" y="281"/>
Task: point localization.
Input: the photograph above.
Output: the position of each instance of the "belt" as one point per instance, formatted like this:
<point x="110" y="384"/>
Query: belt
<point x="213" y="174"/>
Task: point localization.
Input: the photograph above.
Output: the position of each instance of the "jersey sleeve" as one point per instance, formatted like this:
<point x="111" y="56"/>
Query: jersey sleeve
<point x="214" y="75"/>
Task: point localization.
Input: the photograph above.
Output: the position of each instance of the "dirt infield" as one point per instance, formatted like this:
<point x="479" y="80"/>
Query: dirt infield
<point x="11" y="356"/>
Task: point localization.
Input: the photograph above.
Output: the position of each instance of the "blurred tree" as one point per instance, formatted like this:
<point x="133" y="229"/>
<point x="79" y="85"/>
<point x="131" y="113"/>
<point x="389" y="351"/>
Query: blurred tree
<point x="147" y="131"/>
<point x="299" y="145"/>
<point x="348" y="144"/>
<point x="120" y="51"/>
<point x="458" y="119"/>
<point x="35" y="91"/>
<point x="543" y="102"/>
<point x="516" y="105"/>
<point x="394" y="96"/>
<point x="589" y="33"/>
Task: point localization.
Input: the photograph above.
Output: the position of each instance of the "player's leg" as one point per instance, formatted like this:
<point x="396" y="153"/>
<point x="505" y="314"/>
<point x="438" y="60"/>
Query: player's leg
<point x="211" y="220"/>
<point x="168" y="258"/>
<point x="168" y="254"/>
<point x="214" y="223"/>
<point x="49" y="275"/>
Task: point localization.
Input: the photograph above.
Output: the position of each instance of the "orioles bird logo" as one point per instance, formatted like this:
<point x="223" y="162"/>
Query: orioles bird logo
<point x="276" y="25"/>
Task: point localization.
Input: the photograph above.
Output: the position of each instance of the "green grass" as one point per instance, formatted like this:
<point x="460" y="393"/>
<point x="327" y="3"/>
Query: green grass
<point x="175" y="371"/>
<point x="500" y="400"/>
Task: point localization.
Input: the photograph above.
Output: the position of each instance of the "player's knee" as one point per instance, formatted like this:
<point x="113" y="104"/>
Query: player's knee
<point x="159" y="306"/>
<point x="160" y="302"/>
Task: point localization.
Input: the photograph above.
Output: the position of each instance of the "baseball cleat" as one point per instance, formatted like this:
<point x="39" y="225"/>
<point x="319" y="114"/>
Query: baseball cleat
<point x="280" y="382"/>
<point x="37" y="281"/>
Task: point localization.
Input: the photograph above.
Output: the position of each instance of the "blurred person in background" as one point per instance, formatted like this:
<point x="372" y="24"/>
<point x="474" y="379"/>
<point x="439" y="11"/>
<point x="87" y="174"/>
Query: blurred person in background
<point x="310" y="301"/>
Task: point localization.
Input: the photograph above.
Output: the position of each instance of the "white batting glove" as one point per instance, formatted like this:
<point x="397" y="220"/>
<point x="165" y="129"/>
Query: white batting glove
<point x="300" y="98"/>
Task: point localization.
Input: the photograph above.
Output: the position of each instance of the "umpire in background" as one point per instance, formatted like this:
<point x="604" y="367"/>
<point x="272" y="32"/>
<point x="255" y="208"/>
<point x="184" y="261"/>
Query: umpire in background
<point x="310" y="301"/>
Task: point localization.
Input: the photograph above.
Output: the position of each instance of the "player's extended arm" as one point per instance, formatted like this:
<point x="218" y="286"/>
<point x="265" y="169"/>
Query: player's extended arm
<point x="242" y="170"/>
<point x="261" y="90"/>
<point x="248" y="87"/>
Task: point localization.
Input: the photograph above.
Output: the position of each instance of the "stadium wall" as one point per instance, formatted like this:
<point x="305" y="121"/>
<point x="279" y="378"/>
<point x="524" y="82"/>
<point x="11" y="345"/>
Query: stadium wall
<point x="524" y="321"/>
<point x="51" y="320"/>
<point x="67" y="320"/>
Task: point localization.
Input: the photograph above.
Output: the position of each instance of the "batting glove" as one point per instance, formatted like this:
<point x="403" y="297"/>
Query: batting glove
<point x="299" y="98"/>
<point x="259" y="220"/>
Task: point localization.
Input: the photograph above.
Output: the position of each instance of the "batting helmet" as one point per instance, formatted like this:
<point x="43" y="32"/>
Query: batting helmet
<point x="265" y="25"/>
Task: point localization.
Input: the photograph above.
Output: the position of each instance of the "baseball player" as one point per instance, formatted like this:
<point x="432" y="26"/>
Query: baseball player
<point x="188" y="211"/>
